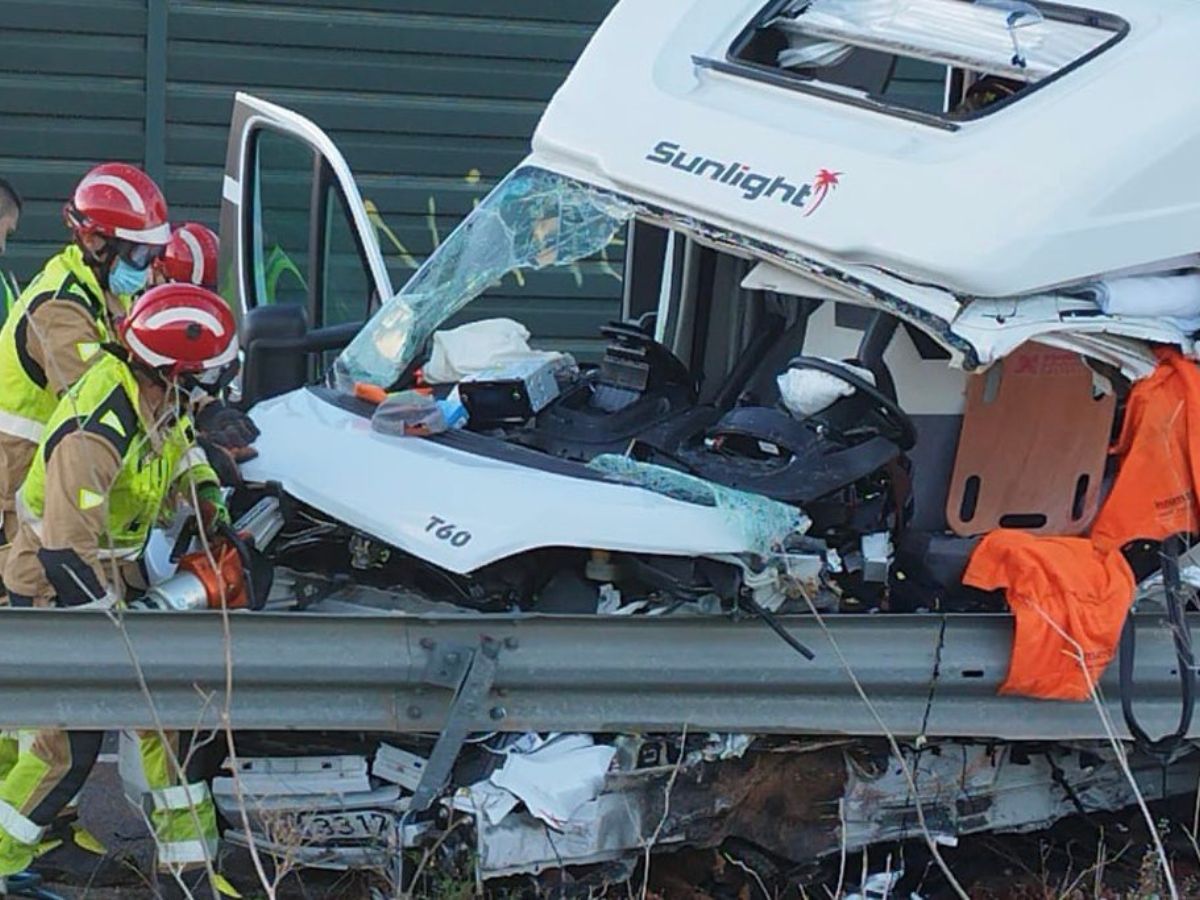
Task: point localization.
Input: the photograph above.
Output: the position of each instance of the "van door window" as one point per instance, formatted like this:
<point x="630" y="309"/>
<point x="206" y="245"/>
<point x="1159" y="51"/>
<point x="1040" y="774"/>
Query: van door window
<point x="282" y="174"/>
<point x="306" y="250"/>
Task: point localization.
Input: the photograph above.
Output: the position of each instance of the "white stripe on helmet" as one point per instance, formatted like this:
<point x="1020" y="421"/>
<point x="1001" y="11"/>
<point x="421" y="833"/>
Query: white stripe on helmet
<point x="159" y="235"/>
<point x="127" y="190"/>
<point x="144" y="353"/>
<point x="186" y="314"/>
<point x="193" y="246"/>
<point x="222" y="359"/>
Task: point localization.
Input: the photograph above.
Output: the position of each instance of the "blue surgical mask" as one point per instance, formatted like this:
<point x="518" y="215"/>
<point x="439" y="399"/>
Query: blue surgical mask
<point x="123" y="278"/>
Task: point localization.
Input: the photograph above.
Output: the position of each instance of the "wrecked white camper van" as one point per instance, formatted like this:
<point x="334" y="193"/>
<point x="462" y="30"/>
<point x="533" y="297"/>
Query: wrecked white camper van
<point x="857" y="334"/>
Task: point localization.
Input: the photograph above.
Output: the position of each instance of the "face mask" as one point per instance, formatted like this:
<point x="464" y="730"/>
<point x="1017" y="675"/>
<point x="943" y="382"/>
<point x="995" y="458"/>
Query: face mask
<point x="123" y="278"/>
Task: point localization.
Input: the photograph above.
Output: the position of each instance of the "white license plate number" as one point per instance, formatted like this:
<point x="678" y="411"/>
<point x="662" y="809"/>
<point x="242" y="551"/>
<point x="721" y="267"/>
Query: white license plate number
<point x="368" y="825"/>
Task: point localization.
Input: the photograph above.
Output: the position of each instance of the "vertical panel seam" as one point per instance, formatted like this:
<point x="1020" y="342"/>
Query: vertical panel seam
<point x="155" y="159"/>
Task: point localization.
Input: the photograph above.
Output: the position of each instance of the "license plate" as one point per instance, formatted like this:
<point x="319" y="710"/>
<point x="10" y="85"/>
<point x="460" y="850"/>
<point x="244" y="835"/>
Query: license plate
<point x="365" y="825"/>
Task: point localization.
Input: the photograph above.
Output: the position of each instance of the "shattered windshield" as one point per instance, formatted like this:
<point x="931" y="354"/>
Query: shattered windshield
<point x="534" y="219"/>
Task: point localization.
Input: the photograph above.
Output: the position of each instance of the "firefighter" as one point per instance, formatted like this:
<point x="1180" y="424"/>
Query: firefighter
<point x="116" y="449"/>
<point x="190" y="256"/>
<point x="10" y="218"/>
<point x="118" y="221"/>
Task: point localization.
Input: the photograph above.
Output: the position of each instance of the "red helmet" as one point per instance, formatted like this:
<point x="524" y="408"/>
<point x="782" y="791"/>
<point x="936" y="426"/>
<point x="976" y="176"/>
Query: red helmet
<point x="191" y="256"/>
<point x="181" y="328"/>
<point x="119" y="201"/>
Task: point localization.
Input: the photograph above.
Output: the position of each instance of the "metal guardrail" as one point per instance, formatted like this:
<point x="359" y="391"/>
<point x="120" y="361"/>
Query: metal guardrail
<point x="401" y="674"/>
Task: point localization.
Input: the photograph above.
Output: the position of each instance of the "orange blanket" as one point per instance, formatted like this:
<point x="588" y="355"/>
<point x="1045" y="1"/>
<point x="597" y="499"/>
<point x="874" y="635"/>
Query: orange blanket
<point x="1154" y="495"/>
<point x="1071" y="595"/>
<point x="1068" y="599"/>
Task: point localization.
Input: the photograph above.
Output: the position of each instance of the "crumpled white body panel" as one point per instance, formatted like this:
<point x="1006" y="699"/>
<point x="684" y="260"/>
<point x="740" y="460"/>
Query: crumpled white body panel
<point x="393" y="488"/>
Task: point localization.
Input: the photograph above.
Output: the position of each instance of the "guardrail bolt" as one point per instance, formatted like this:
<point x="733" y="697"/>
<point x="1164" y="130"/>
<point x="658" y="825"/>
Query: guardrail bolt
<point x="452" y="658"/>
<point x="497" y="713"/>
<point x="414" y="712"/>
<point x="427" y="643"/>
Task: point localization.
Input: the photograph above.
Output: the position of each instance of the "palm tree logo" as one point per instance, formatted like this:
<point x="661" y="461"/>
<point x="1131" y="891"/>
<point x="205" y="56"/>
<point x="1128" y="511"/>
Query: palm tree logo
<point x="825" y="182"/>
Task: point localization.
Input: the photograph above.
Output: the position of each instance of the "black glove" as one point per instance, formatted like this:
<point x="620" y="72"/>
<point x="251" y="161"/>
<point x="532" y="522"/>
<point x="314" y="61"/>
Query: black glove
<point x="226" y="426"/>
<point x="224" y="461"/>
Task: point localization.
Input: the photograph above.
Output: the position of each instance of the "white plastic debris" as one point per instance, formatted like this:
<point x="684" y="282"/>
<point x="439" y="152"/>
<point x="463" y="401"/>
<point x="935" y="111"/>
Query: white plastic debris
<point x="806" y="392"/>
<point x="636" y="606"/>
<point x="877" y="556"/>
<point x="725" y="746"/>
<point x="330" y="776"/>
<point x="606" y="828"/>
<point x="609" y="601"/>
<point x="478" y="346"/>
<point x="486" y="800"/>
<point x="1190" y="575"/>
<point x="526" y="743"/>
<point x="878" y="886"/>
<point x="612" y="604"/>
<point x="766" y="586"/>
<point x="398" y="766"/>
<point x="556" y="779"/>
<point x="803" y="571"/>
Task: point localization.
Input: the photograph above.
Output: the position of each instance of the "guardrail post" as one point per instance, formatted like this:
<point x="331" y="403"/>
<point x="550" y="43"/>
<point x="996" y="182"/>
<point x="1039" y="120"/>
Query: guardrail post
<point x="471" y="672"/>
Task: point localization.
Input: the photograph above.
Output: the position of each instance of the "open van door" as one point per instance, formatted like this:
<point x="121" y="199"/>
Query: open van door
<point x="300" y="262"/>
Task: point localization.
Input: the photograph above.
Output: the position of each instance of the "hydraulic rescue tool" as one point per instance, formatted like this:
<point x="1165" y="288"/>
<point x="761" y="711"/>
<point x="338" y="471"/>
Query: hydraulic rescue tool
<point x="229" y="572"/>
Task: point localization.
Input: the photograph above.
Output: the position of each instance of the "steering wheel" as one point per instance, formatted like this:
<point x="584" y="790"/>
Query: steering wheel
<point x="884" y="415"/>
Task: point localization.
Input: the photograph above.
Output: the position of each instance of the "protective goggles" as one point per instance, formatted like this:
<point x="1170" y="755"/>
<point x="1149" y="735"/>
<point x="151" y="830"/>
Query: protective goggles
<point x="140" y="256"/>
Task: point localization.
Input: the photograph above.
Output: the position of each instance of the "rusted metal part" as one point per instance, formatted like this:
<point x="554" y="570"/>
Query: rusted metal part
<point x="786" y="804"/>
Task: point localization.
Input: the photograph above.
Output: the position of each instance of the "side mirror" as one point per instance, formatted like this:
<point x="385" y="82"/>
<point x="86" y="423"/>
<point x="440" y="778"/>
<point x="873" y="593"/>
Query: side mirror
<point x="276" y="358"/>
<point x="281" y="354"/>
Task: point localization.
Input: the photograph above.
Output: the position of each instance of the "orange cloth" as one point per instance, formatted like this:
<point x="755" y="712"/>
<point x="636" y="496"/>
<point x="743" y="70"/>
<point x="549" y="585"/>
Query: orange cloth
<point x="1086" y="593"/>
<point x="1083" y="585"/>
<point x="1154" y="495"/>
